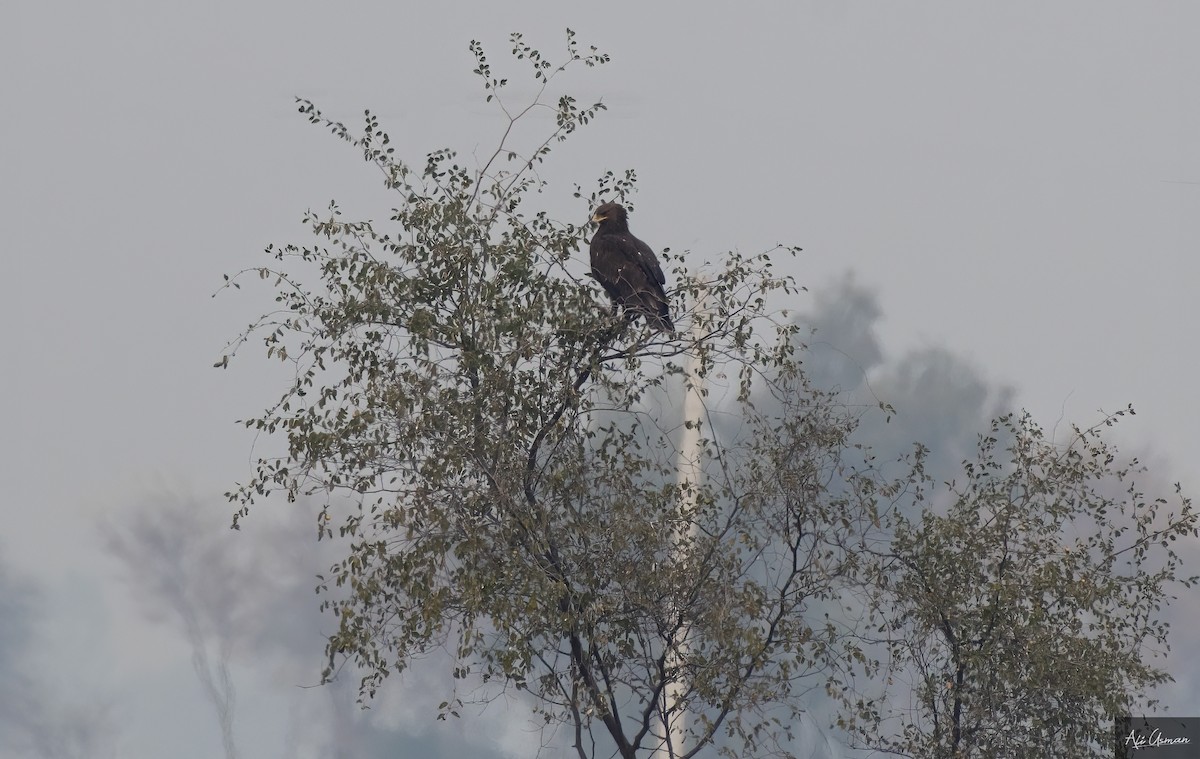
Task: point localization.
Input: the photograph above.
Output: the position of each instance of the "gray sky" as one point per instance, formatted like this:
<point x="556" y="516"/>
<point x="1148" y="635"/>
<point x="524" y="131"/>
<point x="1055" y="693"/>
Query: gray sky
<point x="1017" y="185"/>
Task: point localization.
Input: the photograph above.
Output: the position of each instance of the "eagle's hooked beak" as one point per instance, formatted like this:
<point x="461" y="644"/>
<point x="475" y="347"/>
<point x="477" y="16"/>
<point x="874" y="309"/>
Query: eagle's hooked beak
<point x="596" y="217"/>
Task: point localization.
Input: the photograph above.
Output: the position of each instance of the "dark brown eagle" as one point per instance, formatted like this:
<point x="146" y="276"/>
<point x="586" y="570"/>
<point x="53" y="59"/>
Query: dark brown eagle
<point x="627" y="269"/>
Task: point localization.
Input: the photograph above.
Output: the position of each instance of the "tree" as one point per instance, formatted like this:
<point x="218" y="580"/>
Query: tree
<point x="37" y="719"/>
<point x="162" y="551"/>
<point x="510" y="446"/>
<point x="498" y="452"/>
<point x="1027" y="616"/>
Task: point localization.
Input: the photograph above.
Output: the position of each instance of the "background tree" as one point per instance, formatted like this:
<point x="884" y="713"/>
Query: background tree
<point x="161" y="551"/>
<point x="39" y="717"/>
<point x="1028" y="614"/>
<point x="510" y="447"/>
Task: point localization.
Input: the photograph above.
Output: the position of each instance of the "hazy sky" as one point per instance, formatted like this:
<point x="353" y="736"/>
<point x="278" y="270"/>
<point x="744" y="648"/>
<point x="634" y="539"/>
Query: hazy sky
<point x="1015" y="185"/>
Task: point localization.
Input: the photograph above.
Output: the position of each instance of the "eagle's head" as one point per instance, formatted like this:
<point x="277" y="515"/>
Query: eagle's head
<point x="610" y="212"/>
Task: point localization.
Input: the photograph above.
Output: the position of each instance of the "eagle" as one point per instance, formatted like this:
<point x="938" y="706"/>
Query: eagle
<point x="627" y="269"/>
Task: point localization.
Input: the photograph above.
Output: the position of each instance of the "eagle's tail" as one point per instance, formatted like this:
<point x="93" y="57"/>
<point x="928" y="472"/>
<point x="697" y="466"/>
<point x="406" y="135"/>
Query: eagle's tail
<point x="658" y="316"/>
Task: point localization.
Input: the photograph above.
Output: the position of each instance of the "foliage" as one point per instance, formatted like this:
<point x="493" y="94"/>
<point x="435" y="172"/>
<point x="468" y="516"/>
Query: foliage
<point x="511" y="446"/>
<point x="521" y="492"/>
<point x="1027" y="616"/>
